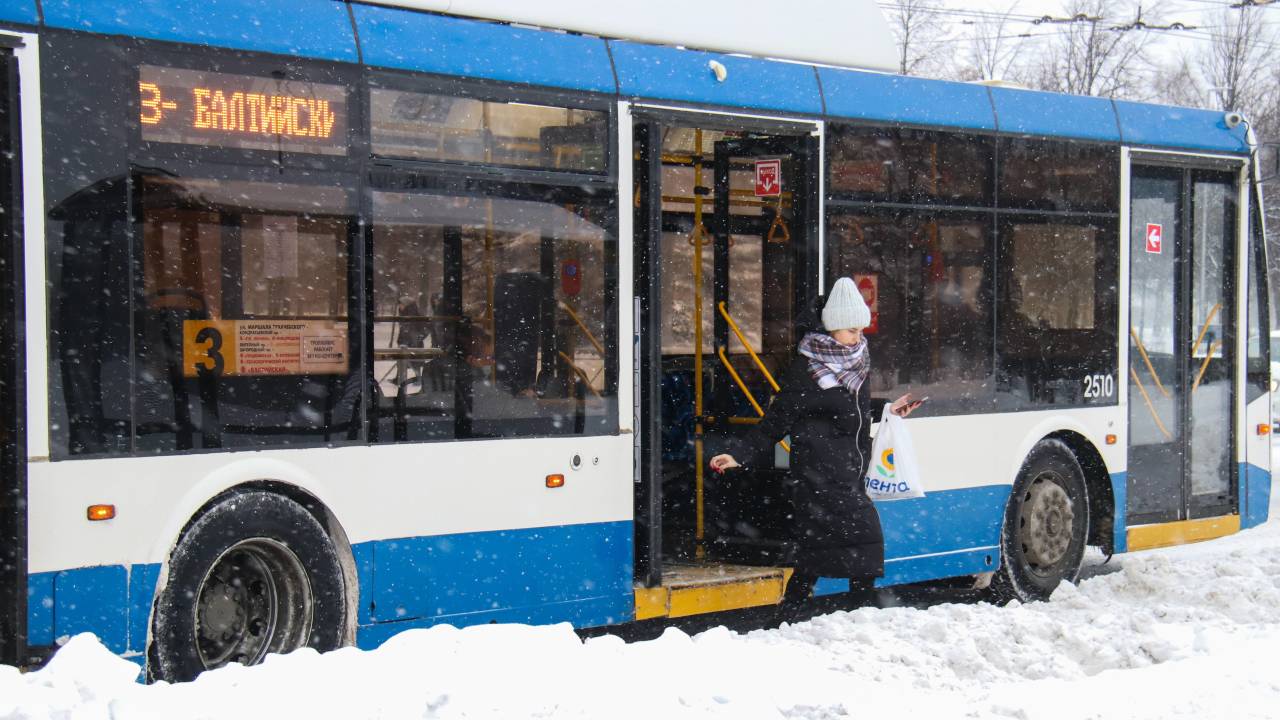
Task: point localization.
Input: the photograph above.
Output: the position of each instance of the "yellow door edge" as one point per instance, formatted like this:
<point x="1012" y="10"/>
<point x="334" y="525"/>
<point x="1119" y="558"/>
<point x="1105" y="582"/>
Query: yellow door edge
<point x="1147" y="537"/>
<point x="714" y="597"/>
<point x="651" y="603"/>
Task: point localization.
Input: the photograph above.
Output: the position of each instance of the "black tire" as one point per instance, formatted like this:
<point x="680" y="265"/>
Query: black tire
<point x="254" y="574"/>
<point x="1046" y="526"/>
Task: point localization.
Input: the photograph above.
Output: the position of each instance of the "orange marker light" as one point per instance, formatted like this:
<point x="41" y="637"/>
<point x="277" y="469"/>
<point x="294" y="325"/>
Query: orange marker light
<point x="101" y="512"/>
<point x="1264" y="428"/>
<point x="555" y="481"/>
<point x="1111" y="439"/>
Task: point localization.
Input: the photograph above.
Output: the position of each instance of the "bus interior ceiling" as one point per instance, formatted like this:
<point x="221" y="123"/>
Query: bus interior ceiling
<point x="731" y="245"/>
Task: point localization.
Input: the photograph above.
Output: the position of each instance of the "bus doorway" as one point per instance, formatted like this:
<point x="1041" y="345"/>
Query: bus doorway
<point x="726" y="263"/>
<point x="13" y="449"/>
<point x="1182" y="348"/>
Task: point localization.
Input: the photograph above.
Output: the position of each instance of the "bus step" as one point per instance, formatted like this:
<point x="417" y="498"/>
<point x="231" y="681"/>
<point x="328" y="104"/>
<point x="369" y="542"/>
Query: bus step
<point x="707" y="588"/>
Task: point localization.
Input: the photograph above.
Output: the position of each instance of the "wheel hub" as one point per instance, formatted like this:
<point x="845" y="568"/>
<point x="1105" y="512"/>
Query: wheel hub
<point x="1046" y="523"/>
<point x="255" y="599"/>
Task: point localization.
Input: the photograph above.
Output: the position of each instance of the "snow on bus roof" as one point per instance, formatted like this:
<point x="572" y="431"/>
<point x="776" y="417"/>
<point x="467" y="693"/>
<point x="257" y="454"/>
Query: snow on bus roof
<point x="845" y="33"/>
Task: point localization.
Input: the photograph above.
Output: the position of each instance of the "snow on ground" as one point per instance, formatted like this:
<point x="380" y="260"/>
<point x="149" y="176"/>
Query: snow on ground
<point x="1191" y="631"/>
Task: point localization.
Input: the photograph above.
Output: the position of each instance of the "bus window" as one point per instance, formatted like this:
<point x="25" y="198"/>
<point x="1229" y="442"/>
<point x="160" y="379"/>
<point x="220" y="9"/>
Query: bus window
<point x="1057" y="317"/>
<point x="1043" y="175"/>
<point x="423" y="126"/>
<point x="491" y="317"/>
<point x="910" y="165"/>
<point x="931" y="324"/>
<point x="242" y="333"/>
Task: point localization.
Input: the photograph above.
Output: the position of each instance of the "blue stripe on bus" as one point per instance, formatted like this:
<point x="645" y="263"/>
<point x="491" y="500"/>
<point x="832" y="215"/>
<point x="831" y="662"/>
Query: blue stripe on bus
<point x="1255" y="496"/>
<point x="577" y="573"/>
<point x="666" y="73"/>
<point x="1177" y="127"/>
<point x="143" y="579"/>
<point x="308" y="28"/>
<point x="943" y="521"/>
<point x="932" y="567"/>
<point x="40" y="609"/>
<point x="409" y="40"/>
<point x="1120" y="524"/>
<point x="899" y="99"/>
<point x="19" y="11"/>
<point x="110" y="601"/>
<point x="1029" y="112"/>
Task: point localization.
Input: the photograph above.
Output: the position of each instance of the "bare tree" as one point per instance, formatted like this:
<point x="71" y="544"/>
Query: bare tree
<point x="1102" y="52"/>
<point x="993" y="46"/>
<point x="1180" y="84"/>
<point x="1235" y="61"/>
<point x="919" y="31"/>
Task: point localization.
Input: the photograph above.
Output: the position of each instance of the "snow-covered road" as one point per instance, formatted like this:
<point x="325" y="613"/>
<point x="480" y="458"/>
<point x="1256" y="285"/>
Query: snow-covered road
<point x="1191" y="631"/>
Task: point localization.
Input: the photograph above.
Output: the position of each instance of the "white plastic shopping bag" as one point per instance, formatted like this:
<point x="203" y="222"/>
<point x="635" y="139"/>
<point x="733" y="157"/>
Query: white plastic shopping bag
<point x="892" y="473"/>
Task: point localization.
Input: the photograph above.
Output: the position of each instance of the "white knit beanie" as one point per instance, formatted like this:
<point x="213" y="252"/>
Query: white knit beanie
<point x="845" y="308"/>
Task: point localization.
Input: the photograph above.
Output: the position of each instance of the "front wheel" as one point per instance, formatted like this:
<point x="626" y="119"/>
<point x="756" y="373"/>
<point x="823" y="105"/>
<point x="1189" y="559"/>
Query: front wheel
<point x="254" y="574"/>
<point x="1045" y="527"/>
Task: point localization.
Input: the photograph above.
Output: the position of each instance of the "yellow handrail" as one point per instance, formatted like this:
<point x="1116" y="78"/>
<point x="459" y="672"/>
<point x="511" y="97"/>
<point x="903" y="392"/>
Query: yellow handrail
<point x="778" y="224"/>
<point x="724" y="360"/>
<point x="745" y="391"/>
<point x="580" y="372"/>
<point x="743" y="339"/>
<point x="1213" y="311"/>
<point x="1142" y="350"/>
<point x="590" y="338"/>
<point x="1213" y="348"/>
<point x="1150" y="407"/>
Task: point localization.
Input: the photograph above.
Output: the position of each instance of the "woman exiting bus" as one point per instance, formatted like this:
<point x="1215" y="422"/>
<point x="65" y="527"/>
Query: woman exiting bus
<point x="825" y="406"/>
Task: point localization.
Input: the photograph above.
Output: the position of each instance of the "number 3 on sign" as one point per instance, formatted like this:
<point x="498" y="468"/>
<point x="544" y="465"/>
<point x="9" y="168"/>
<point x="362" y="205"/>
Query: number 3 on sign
<point x="1099" y="386"/>
<point x="209" y="346"/>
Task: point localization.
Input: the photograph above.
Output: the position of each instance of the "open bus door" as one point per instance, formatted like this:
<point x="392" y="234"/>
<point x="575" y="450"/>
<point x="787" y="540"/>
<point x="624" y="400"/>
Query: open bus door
<point x="13" y="448"/>
<point x="706" y="239"/>
<point x="1183" y="479"/>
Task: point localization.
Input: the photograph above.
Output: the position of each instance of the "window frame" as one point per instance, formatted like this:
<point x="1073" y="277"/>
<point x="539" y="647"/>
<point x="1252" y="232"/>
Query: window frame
<point x="984" y="217"/>
<point x="410" y="175"/>
<point x="1258" y="380"/>
<point x="986" y="202"/>
<point x="493" y="91"/>
<point x="1085" y="342"/>
<point x="199" y="170"/>
<point x="1002" y="203"/>
<point x="429" y="181"/>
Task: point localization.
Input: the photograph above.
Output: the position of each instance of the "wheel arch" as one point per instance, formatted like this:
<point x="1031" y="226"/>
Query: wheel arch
<point x="309" y="500"/>
<point x="1102" y="498"/>
<point x="1075" y="434"/>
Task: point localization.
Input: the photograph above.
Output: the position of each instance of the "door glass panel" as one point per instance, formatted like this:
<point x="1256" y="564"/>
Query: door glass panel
<point x="1212" y="351"/>
<point x="1155" y="395"/>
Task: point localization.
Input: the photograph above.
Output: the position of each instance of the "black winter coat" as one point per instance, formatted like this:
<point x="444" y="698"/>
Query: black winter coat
<point x="836" y="527"/>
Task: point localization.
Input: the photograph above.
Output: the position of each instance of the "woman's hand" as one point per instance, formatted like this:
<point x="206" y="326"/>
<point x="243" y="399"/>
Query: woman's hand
<point x="720" y="463"/>
<point x="903" y="406"/>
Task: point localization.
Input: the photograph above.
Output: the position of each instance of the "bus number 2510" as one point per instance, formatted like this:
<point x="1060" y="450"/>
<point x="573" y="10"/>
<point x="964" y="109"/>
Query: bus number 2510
<point x="1099" y="386"/>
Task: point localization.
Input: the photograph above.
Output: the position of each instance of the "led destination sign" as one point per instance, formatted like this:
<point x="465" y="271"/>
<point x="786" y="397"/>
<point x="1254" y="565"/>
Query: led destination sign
<point x="241" y="111"/>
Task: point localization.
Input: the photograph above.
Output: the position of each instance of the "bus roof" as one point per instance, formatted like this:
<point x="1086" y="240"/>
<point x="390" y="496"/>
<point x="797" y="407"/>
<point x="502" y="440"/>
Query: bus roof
<point x="848" y="33"/>
<point x="447" y="45"/>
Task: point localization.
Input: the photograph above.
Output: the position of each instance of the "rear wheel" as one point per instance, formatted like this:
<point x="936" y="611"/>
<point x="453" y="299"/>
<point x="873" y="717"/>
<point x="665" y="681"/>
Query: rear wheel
<point x="255" y="574"/>
<point x="1046" y="525"/>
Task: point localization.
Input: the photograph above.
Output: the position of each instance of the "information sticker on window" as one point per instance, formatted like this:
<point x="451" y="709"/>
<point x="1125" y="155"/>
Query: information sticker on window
<point x="264" y="347"/>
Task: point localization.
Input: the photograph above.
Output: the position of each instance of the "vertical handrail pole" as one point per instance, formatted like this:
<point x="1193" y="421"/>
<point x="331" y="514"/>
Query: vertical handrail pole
<point x="698" y="239"/>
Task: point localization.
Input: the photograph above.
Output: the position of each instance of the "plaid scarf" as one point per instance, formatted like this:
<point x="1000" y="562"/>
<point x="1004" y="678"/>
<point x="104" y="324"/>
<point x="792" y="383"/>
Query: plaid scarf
<point x="832" y="364"/>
